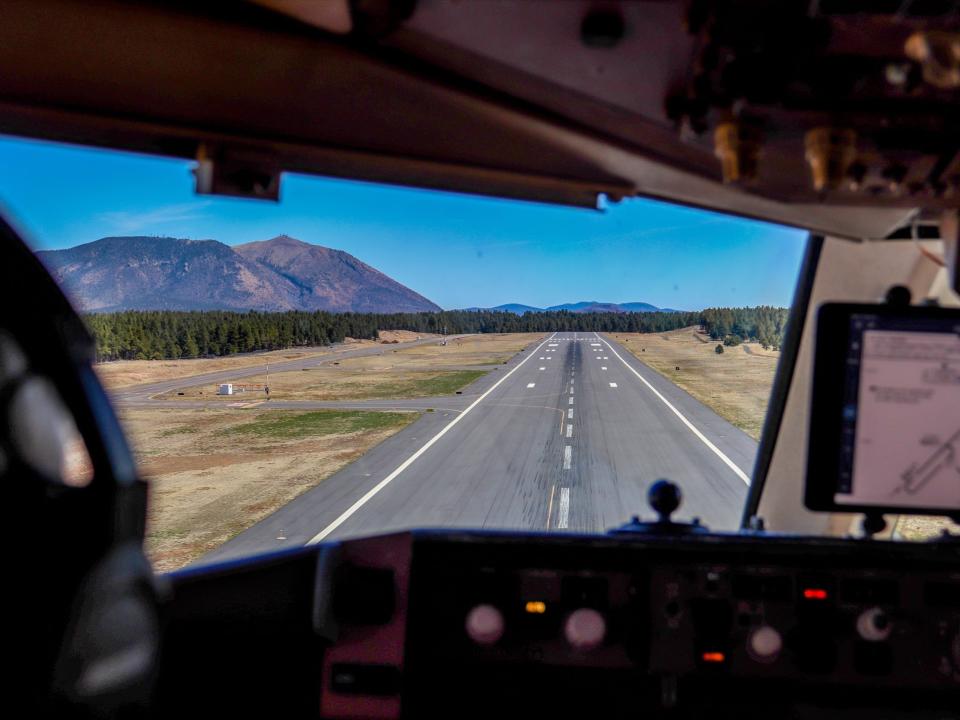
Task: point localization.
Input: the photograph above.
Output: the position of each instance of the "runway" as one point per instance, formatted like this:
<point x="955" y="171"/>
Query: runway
<point x="566" y="437"/>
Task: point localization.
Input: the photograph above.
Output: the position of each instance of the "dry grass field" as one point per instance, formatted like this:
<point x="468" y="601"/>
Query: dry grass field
<point x="736" y="384"/>
<point x="124" y="373"/>
<point x="213" y="473"/>
<point x="396" y="372"/>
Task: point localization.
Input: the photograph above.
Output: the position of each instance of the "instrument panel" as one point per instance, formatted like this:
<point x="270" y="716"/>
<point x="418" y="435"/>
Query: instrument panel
<point x="481" y="623"/>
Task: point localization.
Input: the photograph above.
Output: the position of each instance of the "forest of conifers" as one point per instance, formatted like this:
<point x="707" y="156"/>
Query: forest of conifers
<point x="157" y="335"/>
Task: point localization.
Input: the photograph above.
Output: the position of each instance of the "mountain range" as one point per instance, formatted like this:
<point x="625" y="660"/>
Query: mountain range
<point x="283" y="273"/>
<point x="163" y="273"/>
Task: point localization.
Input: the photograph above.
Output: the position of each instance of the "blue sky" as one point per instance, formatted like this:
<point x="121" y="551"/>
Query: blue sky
<point x="457" y="250"/>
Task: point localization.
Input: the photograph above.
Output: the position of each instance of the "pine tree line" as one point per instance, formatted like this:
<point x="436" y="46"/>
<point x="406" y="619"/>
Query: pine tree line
<point x="157" y="335"/>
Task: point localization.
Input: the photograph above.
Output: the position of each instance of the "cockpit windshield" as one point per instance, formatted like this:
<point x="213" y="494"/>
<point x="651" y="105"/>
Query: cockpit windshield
<point x="358" y="358"/>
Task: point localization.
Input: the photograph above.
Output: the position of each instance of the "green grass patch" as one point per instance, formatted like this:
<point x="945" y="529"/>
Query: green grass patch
<point x="444" y="383"/>
<point x="182" y="430"/>
<point x="427" y="384"/>
<point x="287" y="425"/>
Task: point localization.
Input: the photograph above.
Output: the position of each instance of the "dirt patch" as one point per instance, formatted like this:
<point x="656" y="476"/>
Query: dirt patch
<point x="735" y="384"/>
<point x="402" y="336"/>
<point x="919" y="528"/>
<point x="210" y="483"/>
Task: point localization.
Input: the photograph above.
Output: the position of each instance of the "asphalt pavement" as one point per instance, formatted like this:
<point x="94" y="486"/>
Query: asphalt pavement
<point x="567" y="436"/>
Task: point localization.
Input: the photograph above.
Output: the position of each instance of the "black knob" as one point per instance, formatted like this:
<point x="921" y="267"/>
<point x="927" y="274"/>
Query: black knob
<point x="664" y="497"/>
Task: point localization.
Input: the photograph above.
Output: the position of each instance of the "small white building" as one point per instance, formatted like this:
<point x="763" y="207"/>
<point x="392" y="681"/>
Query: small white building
<point x="225" y="389"/>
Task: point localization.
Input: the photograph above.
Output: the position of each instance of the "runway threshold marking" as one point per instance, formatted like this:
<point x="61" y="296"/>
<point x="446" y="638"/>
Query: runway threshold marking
<point x="690" y="426"/>
<point x="345" y="515"/>
<point x="564" y="510"/>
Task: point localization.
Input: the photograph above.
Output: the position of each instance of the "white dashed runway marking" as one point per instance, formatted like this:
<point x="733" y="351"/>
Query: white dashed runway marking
<point x="567" y="456"/>
<point x="564" y="511"/>
<point x="530" y="385"/>
<point x="613" y="384"/>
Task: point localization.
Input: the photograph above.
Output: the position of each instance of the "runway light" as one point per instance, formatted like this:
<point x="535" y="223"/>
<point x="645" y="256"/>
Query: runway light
<point x="713" y="657"/>
<point x="814" y="594"/>
<point x="536" y="607"/>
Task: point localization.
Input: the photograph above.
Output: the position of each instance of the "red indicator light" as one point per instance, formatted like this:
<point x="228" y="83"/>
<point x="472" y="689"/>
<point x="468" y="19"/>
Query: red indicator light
<point x="713" y="657"/>
<point x="814" y="594"/>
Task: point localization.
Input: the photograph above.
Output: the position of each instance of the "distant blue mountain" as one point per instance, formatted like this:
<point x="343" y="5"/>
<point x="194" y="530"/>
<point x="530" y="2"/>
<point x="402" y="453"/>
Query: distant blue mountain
<point x="642" y="307"/>
<point x="517" y="308"/>
<point x="585" y="306"/>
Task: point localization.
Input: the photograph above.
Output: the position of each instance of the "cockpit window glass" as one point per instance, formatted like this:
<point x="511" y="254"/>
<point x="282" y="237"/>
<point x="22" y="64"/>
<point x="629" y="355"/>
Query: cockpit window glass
<point x="360" y="358"/>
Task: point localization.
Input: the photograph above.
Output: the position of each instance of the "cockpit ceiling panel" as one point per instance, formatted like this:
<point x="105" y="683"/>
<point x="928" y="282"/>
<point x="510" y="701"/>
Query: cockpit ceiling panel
<point x="515" y="108"/>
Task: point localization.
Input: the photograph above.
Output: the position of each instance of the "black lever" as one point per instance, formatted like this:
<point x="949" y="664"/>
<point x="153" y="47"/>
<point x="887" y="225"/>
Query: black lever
<point x="664" y="497"/>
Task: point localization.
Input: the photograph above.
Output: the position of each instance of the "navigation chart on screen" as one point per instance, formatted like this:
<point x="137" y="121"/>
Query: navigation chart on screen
<point x="907" y="443"/>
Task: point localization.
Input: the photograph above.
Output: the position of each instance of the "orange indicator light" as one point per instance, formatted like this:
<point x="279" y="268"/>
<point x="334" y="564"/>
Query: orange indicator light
<point x="714" y="657"/>
<point x="814" y="594"/>
<point x="536" y="607"/>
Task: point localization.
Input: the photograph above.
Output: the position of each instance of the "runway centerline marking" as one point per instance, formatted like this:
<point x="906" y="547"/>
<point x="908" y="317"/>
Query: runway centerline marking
<point x="345" y="515"/>
<point x="569" y="430"/>
<point x="613" y="384"/>
<point x="544" y="367"/>
<point x="567" y="456"/>
<point x="571" y="401"/>
<point x="570" y="414"/>
<point x="604" y="367"/>
<point x="530" y="385"/>
<point x="564" y="511"/>
<point x="693" y="428"/>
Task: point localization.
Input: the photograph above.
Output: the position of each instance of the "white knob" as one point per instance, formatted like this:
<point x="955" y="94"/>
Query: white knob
<point x="485" y="625"/>
<point x="874" y="625"/>
<point x="764" y="644"/>
<point x="585" y="629"/>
